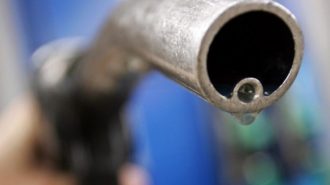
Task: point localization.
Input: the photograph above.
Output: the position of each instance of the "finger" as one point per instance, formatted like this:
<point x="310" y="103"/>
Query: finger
<point x="19" y="125"/>
<point x="36" y="177"/>
<point x="133" y="175"/>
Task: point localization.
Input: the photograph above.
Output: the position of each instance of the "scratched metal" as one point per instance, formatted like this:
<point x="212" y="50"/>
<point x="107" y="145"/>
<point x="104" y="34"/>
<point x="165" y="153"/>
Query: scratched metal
<point x="174" y="36"/>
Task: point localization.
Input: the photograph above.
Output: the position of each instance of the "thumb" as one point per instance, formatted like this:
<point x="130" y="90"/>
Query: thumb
<point x="18" y="133"/>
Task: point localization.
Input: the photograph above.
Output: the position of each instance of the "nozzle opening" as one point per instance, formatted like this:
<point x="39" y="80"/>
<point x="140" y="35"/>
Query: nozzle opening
<point x="255" y="44"/>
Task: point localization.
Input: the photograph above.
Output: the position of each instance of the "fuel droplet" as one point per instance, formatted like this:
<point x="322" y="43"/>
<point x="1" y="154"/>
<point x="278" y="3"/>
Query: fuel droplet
<point x="246" y="93"/>
<point x="246" y="118"/>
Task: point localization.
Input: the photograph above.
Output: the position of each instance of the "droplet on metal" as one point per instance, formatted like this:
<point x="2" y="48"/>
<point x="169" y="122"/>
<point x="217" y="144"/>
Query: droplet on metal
<point x="246" y="118"/>
<point x="246" y="93"/>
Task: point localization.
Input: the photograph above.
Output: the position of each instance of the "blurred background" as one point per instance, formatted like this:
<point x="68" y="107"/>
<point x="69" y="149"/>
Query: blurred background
<point x="179" y="139"/>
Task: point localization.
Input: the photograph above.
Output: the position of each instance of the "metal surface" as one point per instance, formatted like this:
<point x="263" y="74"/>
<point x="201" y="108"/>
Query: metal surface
<point x="176" y="37"/>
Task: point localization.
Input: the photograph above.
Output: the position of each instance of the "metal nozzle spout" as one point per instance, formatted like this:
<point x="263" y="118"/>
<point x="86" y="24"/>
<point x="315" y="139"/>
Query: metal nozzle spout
<point x="239" y="55"/>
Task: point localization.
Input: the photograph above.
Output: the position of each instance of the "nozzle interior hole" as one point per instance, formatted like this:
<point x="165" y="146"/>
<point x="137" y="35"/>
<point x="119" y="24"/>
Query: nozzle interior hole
<point x="255" y="44"/>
